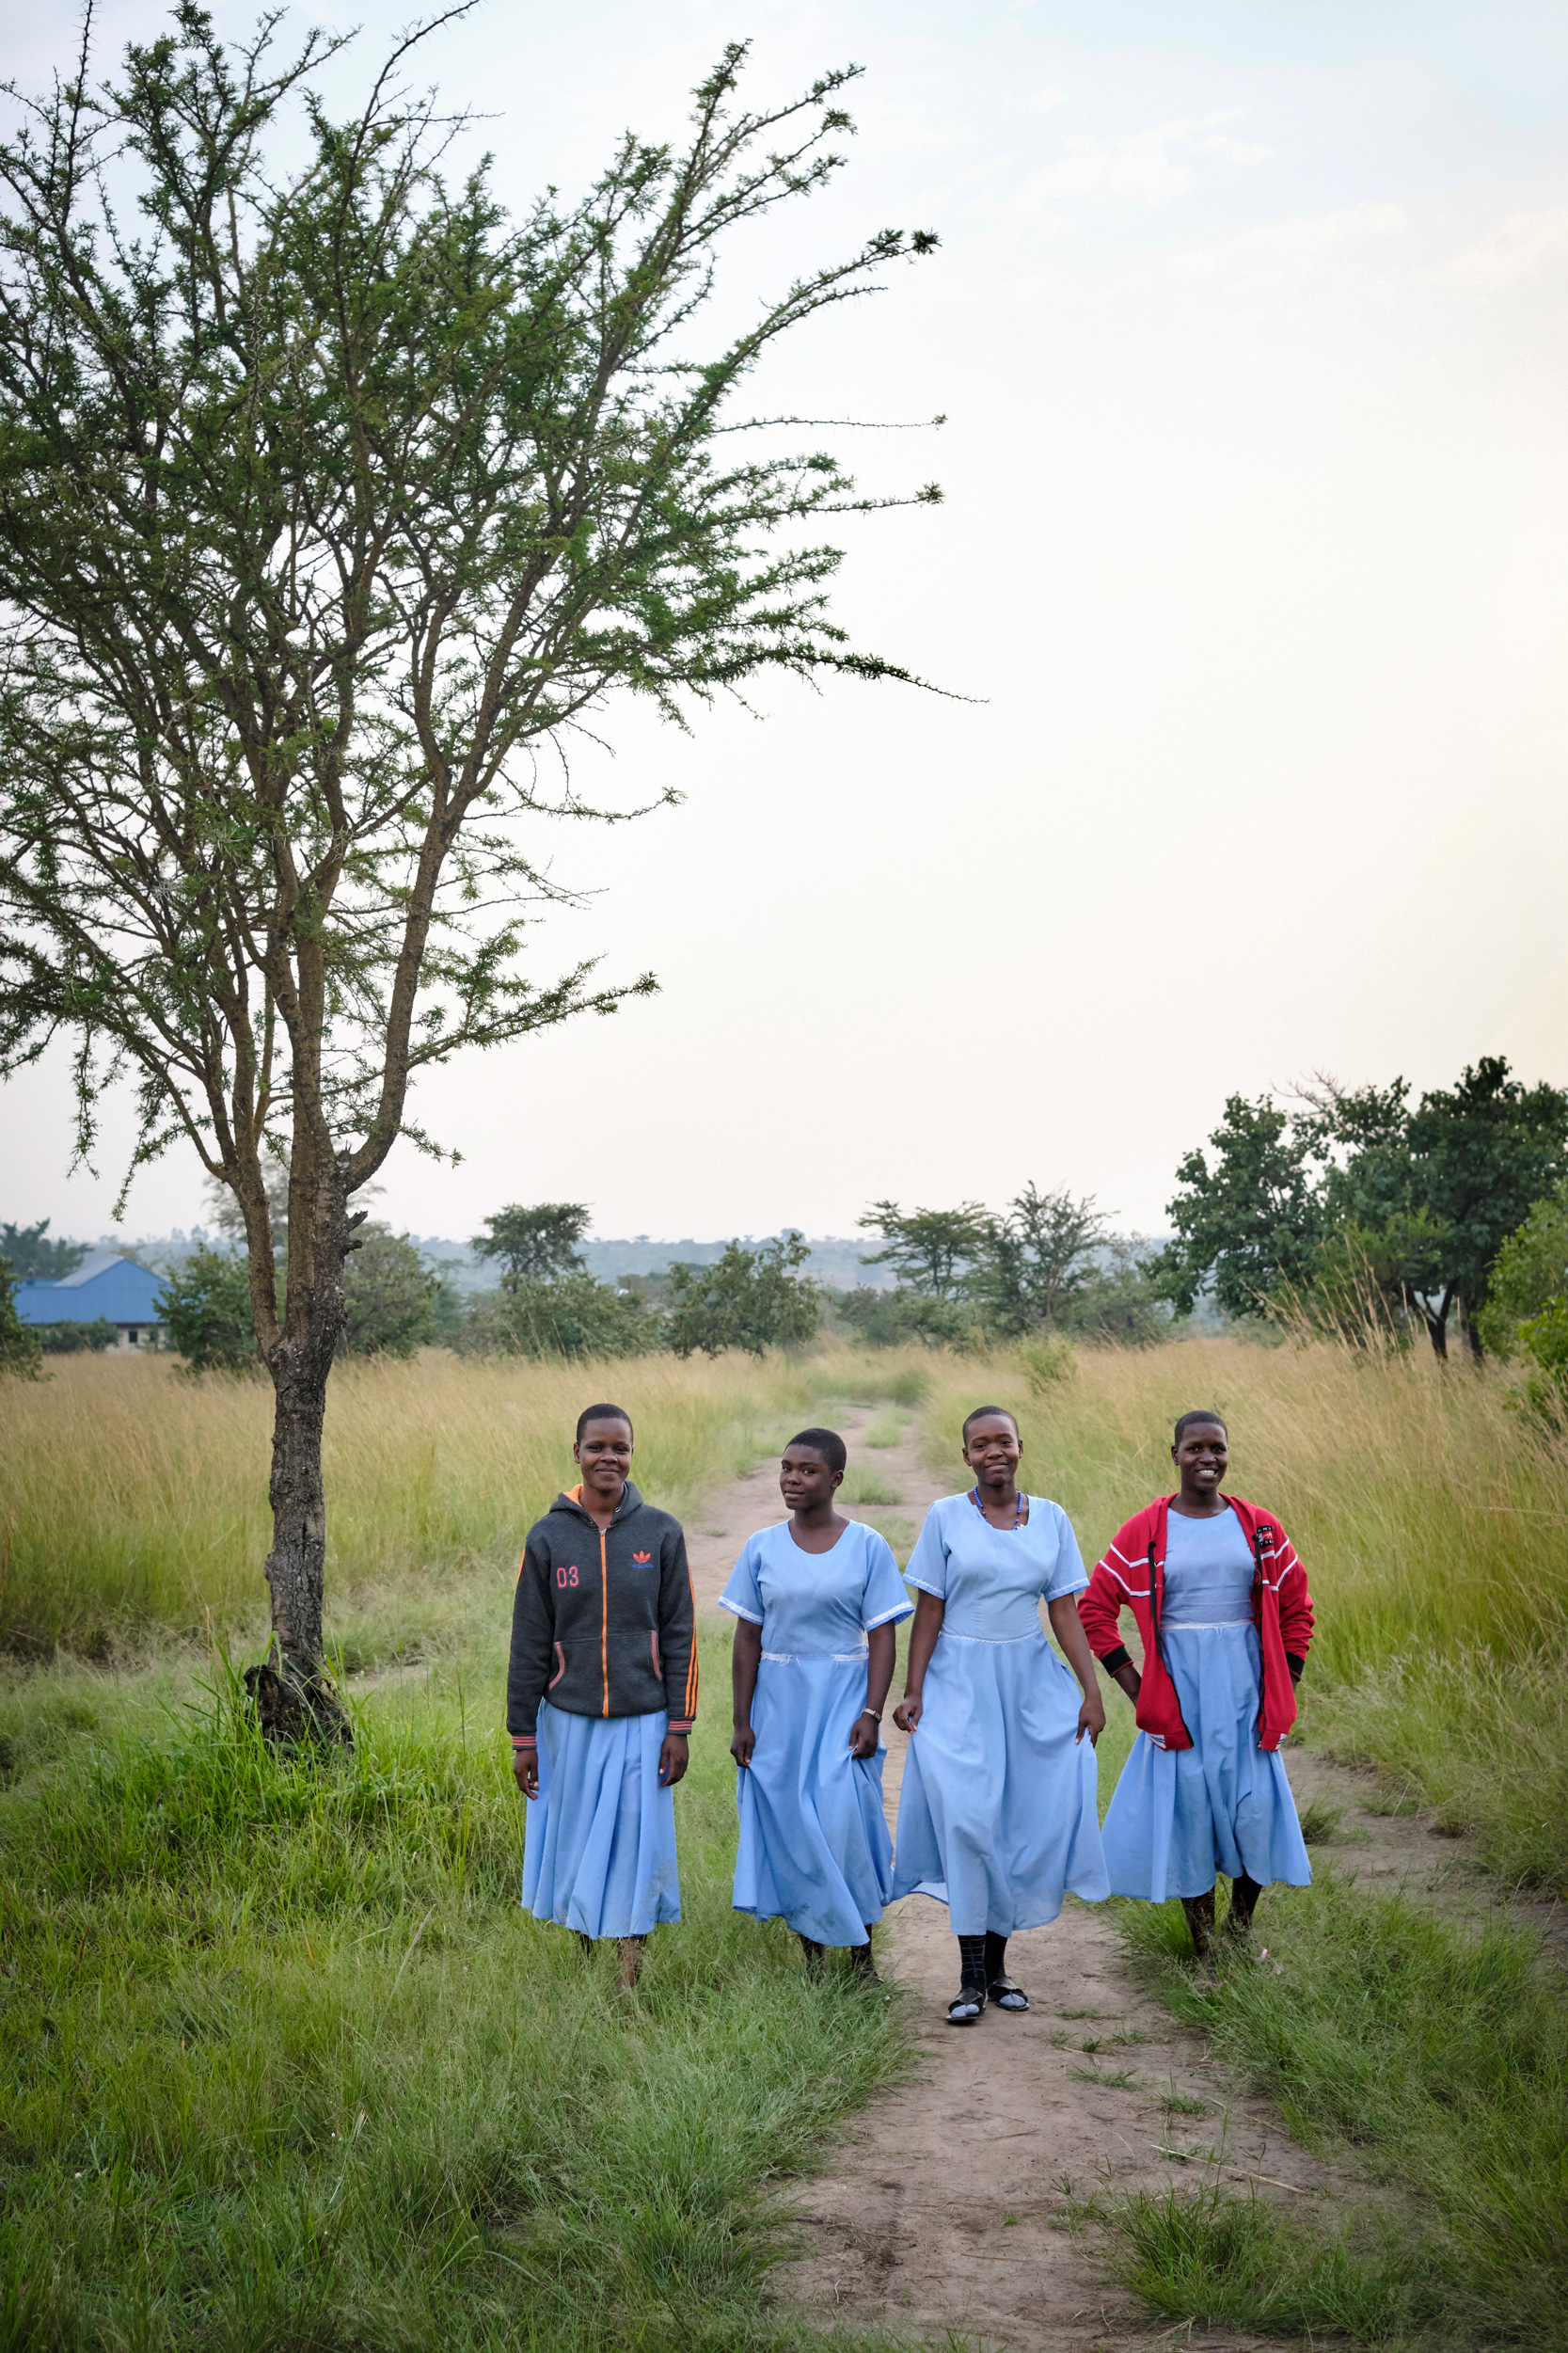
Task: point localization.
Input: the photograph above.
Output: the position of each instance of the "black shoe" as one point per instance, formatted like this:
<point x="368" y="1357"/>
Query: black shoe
<point x="1007" y="1995"/>
<point x="969" y="2007"/>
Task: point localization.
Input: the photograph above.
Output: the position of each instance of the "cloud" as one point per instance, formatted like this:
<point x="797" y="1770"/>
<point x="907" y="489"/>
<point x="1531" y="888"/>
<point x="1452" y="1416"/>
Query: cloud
<point x="1147" y="168"/>
<point x="1045" y="102"/>
<point x="1283" y="249"/>
<point x="1526" y="243"/>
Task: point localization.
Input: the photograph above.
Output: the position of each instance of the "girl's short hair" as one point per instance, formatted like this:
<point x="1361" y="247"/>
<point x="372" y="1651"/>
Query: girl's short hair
<point x="827" y="1443"/>
<point x="1188" y="1420"/>
<point x="603" y="1413"/>
<point x="982" y="1413"/>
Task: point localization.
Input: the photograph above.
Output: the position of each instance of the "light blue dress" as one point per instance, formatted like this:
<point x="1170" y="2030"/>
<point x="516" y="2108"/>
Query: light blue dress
<point x="814" y="1849"/>
<point x="998" y="1816"/>
<point x="599" y="1848"/>
<point x="1181" y="1813"/>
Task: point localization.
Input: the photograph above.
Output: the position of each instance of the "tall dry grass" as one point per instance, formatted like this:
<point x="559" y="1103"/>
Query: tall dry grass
<point x="133" y="1497"/>
<point x="1426" y="1511"/>
<point x="1432" y="1517"/>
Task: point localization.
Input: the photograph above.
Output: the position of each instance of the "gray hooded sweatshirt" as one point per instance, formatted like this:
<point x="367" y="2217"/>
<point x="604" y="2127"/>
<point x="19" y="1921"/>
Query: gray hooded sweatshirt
<point x="603" y="1622"/>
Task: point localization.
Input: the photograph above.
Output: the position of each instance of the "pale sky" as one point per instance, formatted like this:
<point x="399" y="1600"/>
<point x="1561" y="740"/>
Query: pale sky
<point x="1249" y="327"/>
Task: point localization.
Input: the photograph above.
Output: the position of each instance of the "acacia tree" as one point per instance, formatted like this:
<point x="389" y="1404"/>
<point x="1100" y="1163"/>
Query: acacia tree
<point x="329" y="496"/>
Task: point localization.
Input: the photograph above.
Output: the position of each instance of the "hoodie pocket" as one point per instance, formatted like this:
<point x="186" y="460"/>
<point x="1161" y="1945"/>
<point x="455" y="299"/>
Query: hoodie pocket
<point x="560" y="1670"/>
<point x="653" y="1645"/>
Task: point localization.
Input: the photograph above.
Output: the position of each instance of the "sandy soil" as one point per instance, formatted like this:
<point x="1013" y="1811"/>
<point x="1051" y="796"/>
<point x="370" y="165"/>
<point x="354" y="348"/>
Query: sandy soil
<point x="946" y="2210"/>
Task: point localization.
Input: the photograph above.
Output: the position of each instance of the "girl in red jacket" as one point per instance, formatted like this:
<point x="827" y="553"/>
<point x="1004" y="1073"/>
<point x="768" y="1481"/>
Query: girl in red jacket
<point x="1224" y="1620"/>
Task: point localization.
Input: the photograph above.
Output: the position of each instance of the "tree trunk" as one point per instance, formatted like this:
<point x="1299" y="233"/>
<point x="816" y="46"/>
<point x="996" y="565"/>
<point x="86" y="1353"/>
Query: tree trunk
<point x="296" y="1566"/>
<point x="1472" y="1336"/>
<point x="1437" y="1324"/>
<point x="305" y="1699"/>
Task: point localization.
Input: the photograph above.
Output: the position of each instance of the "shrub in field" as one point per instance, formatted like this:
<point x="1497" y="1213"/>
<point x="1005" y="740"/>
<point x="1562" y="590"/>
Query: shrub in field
<point x="894" y="1319"/>
<point x="574" y="1316"/>
<point x="748" y="1300"/>
<point x="205" y="1305"/>
<point x="389" y="1296"/>
<point x="1531" y="1271"/>
<point x="71" y="1340"/>
<point x="20" y="1349"/>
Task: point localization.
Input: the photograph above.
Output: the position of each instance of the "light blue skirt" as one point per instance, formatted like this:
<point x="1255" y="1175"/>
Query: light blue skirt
<point x="815" y="1848"/>
<point x="997" y="1817"/>
<point x="599" y="1848"/>
<point x="1224" y="1803"/>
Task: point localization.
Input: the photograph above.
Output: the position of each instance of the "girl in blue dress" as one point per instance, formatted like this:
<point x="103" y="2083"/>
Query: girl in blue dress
<point x="1220" y="1601"/>
<point x="601" y="1692"/>
<point x="818" y="1598"/>
<point x="997" y="1817"/>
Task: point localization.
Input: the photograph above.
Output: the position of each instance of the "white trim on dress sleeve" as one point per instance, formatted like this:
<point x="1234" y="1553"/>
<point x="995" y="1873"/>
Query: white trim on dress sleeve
<point x="920" y="1588"/>
<point x="736" y="1611"/>
<point x="900" y="1610"/>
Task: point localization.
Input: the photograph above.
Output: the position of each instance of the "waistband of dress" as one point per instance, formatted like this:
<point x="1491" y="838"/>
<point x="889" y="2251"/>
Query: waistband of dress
<point x="1201" y="1625"/>
<point x="804" y="1657"/>
<point x="992" y="1642"/>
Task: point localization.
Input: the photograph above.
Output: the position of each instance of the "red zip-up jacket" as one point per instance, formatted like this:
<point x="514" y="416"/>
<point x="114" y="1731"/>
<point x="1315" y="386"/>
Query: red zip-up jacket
<point x="1132" y="1577"/>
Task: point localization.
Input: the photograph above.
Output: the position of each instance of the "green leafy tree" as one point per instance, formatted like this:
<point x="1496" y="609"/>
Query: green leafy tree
<point x="1037" y="1259"/>
<point x="389" y="1296"/>
<point x="1482" y="1151"/>
<point x="750" y="1299"/>
<point x="205" y="1307"/>
<point x="1361" y="1195"/>
<point x="1530" y="1271"/>
<point x="537" y="1245"/>
<point x="34" y="1258"/>
<point x="1249" y="1222"/>
<point x="929" y="1249"/>
<point x="20" y="1349"/>
<point x="329" y="497"/>
<point x="1385" y="1276"/>
<point x="1118" y="1300"/>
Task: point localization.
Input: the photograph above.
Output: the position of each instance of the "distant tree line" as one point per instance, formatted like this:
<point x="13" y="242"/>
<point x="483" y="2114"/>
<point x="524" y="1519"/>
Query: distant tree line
<point x="1348" y="1208"/>
<point x="1047" y="1263"/>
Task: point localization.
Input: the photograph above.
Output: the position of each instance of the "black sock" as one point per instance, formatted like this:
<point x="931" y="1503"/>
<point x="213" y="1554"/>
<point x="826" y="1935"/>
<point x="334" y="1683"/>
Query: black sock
<point x="997" y="1956"/>
<point x="971" y="1952"/>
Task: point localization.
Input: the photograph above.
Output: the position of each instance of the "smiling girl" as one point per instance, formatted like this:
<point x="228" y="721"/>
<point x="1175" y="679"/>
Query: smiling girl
<point x="1225" y="1619"/>
<point x="818" y="1598"/>
<point x="600" y="1695"/>
<point x="997" y="1816"/>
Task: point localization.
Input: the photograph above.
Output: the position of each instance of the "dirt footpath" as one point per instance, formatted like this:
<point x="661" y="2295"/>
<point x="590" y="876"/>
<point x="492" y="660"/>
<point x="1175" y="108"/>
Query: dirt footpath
<point x="945" y="2213"/>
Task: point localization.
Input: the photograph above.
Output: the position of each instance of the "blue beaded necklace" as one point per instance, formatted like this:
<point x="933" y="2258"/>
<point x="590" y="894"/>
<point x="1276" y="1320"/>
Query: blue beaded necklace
<point x="1018" y="1515"/>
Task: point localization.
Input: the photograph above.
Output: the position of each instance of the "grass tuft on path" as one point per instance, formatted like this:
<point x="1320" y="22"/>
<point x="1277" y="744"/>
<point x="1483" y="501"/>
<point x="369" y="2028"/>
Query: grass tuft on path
<point x="1434" y="2058"/>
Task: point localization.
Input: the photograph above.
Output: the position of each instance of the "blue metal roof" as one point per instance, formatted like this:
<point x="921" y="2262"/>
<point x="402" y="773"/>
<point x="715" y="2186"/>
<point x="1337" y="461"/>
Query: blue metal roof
<point x="115" y="1289"/>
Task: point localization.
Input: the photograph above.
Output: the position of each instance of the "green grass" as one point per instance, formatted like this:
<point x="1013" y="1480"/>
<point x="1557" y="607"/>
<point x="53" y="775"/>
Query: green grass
<point x="1484" y="1740"/>
<point x="867" y="1485"/>
<point x="887" y="1430"/>
<point x="283" y="2065"/>
<point x="1433" y="2058"/>
<point x="1211" y="2257"/>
